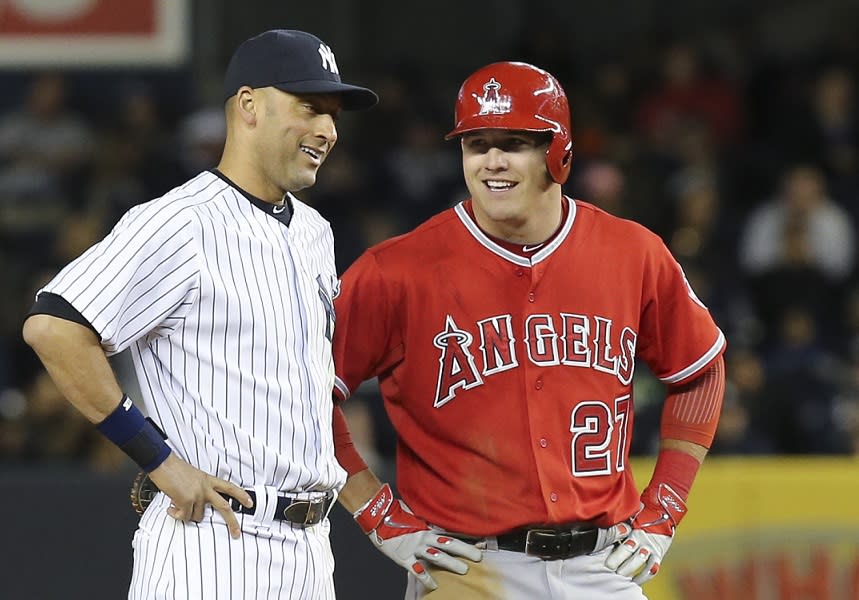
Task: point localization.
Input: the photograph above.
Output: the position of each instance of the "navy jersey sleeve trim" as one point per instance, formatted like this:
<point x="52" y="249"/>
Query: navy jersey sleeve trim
<point x="57" y="306"/>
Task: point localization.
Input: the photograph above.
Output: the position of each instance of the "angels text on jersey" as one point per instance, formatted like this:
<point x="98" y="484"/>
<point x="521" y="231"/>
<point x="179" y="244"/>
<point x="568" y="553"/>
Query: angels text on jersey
<point x="495" y="344"/>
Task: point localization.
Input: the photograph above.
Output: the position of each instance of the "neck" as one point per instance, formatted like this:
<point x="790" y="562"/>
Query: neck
<point x="239" y="168"/>
<point x="533" y="226"/>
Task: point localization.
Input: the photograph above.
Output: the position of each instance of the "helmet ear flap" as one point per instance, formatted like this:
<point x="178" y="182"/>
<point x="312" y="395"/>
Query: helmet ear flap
<point x="559" y="157"/>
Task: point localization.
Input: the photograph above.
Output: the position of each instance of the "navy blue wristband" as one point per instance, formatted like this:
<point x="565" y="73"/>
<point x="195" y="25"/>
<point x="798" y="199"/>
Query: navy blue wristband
<point x="135" y="435"/>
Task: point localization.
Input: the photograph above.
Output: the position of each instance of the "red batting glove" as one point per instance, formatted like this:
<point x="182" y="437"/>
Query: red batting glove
<point x="405" y="538"/>
<point x="641" y="552"/>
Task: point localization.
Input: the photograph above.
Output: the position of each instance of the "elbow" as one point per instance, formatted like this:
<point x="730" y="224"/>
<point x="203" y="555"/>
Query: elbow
<point x="38" y="331"/>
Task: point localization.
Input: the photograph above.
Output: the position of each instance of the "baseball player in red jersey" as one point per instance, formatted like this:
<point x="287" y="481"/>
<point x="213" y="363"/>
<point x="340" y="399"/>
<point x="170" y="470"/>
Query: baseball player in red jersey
<point x="504" y="333"/>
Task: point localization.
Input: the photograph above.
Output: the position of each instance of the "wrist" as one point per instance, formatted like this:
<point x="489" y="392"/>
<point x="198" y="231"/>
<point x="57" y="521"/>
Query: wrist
<point x="666" y="501"/>
<point x="370" y="515"/>
<point x="677" y="469"/>
<point x="135" y="435"/>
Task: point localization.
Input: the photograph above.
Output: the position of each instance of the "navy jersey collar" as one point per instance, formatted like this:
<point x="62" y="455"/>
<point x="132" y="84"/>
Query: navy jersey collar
<point x="281" y="212"/>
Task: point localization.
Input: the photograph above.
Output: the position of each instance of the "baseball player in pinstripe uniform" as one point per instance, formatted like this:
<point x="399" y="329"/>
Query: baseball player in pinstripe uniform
<point x="223" y="291"/>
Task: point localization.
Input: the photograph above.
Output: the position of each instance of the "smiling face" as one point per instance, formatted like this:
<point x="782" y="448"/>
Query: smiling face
<point x="293" y="137"/>
<point x="513" y="196"/>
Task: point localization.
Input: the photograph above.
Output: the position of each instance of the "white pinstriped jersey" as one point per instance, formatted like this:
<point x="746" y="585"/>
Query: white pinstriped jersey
<point x="228" y="315"/>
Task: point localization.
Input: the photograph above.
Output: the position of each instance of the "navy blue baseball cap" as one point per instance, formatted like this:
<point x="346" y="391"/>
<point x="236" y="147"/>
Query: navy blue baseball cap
<point x="295" y="62"/>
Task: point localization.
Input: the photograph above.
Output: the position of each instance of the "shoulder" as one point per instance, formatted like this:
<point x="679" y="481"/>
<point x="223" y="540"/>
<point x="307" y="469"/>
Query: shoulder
<point x="306" y="215"/>
<point x="613" y="229"/>
<point x="179" y="204"/>
<point x="428" y="237"/>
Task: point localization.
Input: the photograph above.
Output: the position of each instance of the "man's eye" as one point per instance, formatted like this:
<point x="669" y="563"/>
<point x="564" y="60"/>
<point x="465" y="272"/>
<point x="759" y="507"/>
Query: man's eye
<point x="514" y="144"/>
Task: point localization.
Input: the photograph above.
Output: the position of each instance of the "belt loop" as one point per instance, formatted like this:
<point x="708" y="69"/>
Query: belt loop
<point x="334" y="495"/>
<point x="266" y="504"/>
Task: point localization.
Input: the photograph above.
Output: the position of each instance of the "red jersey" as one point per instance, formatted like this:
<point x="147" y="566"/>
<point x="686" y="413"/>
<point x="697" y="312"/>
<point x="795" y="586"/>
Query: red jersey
<point x="509" y="380"/>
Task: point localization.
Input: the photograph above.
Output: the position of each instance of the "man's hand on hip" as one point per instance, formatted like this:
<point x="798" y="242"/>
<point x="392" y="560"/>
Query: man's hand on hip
<point x="406" y="539"/>
<point x="640" y="554"/>
<point x="190" y="490"/>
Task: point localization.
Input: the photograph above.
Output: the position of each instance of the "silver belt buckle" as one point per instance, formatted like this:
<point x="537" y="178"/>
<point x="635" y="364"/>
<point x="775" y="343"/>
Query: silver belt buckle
<point x="312" y="510"/>
<point x="529" y="542"/>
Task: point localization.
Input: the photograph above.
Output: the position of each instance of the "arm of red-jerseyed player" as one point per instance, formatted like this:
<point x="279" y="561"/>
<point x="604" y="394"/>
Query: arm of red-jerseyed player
<point x="689" y="420"/>
<point x="367" y="338"/>
<point x="677" y="336"/>
<point x="402" y="536"/>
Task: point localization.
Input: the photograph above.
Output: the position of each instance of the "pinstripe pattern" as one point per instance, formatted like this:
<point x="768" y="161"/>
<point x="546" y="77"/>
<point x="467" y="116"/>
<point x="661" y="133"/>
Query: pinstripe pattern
<point x="178" y="560"/>
<point x="220" y="305"/>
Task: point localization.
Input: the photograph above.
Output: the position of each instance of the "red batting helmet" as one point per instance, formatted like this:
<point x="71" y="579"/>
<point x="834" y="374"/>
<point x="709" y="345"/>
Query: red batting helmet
<point x="516" y="95"/>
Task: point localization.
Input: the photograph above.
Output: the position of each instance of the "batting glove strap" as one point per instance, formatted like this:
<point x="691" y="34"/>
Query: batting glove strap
<point x="407" y="539"/>
<point x="640" y="554"/>
<point x="371" y="514"/>
<point x="662" y="510"/>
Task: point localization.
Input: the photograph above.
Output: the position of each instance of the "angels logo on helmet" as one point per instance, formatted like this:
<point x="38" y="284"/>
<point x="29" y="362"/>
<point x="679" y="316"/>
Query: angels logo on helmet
<point x="493" y="103"/>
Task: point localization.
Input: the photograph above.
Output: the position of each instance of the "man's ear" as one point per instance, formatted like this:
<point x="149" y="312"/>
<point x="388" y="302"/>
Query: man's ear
<point x="247" y="104"/>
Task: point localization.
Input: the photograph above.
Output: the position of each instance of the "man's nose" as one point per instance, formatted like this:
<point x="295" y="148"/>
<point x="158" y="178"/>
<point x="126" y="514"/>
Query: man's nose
<point x="496" y="159"/>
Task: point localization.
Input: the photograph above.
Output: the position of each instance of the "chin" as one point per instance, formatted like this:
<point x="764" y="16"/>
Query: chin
<point x="500" y="208"/>
<point x="302" y="183"/>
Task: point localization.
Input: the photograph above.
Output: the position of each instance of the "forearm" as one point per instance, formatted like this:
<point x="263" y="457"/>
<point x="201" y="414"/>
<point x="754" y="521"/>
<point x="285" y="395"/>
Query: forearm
<point x="359" y="489"/>
<point x="691" y="411"/>
<point x="362" y="484"/>
<point x="697" y="451"/>
<point x="689" y="421"/>
<point x="76" y="362"/>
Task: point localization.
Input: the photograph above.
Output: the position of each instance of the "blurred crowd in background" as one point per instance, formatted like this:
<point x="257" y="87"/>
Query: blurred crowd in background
<point x="747" y="165"/>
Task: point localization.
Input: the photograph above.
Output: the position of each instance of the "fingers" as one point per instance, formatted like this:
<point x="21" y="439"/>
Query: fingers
<point x="649" y="572"/>
<point x="458" y="548"/>
<point x="444" y="561"/>
<point x="418" y="570"/>
<point x="226" y="511"/>
<point x="620" y="554"/>
<point x="617" y="533"/>
<point x="635" y="563"/>
<point x="196" y="511"/>
<point x="183" y="512"/>
<point x="232" y="490"/>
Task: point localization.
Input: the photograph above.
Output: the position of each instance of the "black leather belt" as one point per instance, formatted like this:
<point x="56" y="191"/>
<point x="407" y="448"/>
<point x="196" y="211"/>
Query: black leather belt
<point x="550" y="544"/>
<point x="294" y="510"/>
<point x="546" y="543"/>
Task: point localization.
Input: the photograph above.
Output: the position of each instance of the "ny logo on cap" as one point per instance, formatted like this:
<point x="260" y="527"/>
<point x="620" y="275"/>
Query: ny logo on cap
<point x="328" y="61"/>
<point x="493" y="103"/>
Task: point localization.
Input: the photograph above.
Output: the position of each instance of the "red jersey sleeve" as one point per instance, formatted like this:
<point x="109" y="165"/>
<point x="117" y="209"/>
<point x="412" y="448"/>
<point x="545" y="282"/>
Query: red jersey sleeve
<point x="678" y="337"/>
<point x="367" y="340"/>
